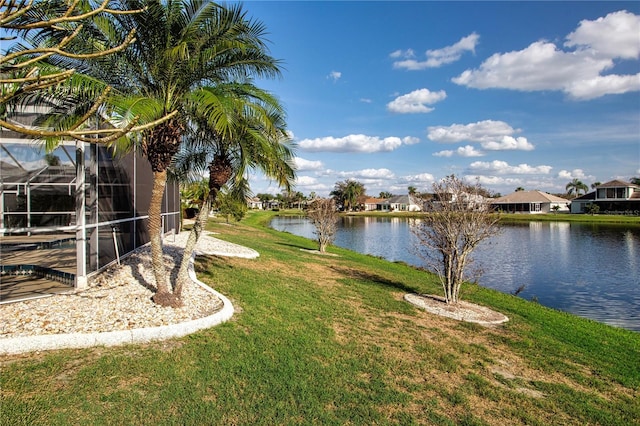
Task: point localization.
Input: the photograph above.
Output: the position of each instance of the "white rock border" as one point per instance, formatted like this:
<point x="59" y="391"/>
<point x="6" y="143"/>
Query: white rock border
<point x="23" y="344"/>
<point x="465" y="311"/>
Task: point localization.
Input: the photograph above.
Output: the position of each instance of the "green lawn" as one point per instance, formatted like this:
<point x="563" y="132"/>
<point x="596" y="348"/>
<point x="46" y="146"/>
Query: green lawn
<point x="329" y="340"/>
<point x="515" y="217"/>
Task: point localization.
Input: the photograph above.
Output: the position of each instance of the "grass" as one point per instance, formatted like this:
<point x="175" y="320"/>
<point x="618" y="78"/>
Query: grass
<point x="329" y="340"/>
<point x="514" y="217"/>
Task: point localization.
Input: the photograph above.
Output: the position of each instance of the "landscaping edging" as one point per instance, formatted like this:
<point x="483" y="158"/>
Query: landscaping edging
<point x="18" y="345"/>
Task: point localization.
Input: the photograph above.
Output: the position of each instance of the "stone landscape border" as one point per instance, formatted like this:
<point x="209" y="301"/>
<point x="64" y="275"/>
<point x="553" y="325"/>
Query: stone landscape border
<point x="462" y="311"/>
<point x="23" y="344"/>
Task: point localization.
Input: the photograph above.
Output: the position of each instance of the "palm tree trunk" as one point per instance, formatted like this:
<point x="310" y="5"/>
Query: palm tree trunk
<point x="220" y="171"/>
<point x="194" y="236"/>
<point x="163" y="295"/>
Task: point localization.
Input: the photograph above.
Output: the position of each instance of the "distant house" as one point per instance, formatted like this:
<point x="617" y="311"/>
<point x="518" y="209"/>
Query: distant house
<point x="254" y="203"/>
<point x="401" y="203"/>
<point x="468" y="200"/>
<point x="530" y="202"/>
<point x="372" y="204"/>
<point x="612" y="196"/>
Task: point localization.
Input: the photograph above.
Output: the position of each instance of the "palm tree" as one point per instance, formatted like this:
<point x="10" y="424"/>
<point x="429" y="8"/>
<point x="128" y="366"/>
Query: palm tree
<point x="594" y="185"/>
<point x="347" y="192"/>
<point x="576" y="185"/>
<point x="256" y="139"/>
<point x="182" y="51"/>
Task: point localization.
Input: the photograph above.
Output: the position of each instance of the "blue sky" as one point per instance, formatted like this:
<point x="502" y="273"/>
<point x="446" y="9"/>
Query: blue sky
<point x="398" y="94"/>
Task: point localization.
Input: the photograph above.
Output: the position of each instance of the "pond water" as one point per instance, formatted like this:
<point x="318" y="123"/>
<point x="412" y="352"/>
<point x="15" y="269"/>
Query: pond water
<point x="586" y="269"/>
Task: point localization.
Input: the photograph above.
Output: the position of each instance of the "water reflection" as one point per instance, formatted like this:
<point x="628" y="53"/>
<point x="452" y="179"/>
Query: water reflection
<point x="589" y="270"/>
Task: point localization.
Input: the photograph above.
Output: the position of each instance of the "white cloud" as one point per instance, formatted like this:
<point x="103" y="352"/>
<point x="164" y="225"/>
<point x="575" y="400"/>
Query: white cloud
<point x="503" y="168"/>
<point x="614" y="36"/>
<point x="416" y="101"/>
<point x="463" y="151"/>
<point x="410" y="140"/>
<point x="437" y="57"/>
<point x="355" y="143"/>
<point x="573" y="174"/>
<point x="365" y="174"/>
<point x="492" y="136"/>
<point x="306" y="181"/>
<point x="419" y="178"/>
<point x="508" y="143"/>
<point x="334" y="75"/>
<point x="481" y="131"/>
<point x="497" y="181"/>
<point x="305" y="165"/>
<point x="544" y="66"/>
<point x="468" y="151"/>
<point x="402" y="54"/>
<point x="366" y="100"/>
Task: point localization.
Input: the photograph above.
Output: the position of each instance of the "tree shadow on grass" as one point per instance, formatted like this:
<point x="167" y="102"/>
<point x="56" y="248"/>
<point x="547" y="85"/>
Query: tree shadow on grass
<point x="205" y="262"/>
<point x="374" y="278"/>
<point x="298" y="246"/>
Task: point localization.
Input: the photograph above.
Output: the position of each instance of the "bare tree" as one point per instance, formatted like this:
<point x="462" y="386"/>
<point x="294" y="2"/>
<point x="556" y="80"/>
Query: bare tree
<point x="460" y="219"/>
<point x="324" y="217"/>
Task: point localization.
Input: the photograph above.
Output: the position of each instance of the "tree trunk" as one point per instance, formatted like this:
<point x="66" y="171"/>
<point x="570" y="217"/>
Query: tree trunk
<point x="163" y="295"/>
<point x="220" y="171"/>
<point x="194" y="236"/>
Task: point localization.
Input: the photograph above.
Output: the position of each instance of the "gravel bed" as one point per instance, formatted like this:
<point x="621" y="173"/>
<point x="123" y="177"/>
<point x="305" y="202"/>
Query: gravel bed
<point x="119" y="298"/>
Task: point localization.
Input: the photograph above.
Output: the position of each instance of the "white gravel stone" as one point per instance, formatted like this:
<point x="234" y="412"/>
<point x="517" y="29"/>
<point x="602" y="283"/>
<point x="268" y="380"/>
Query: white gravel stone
<point x="119" y="299"/>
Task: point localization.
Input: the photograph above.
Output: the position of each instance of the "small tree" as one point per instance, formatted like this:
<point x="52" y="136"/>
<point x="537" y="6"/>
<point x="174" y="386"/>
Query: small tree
<point x="230" y="205"/>
<point x="592" y="209"/>
<point x="324" y="217"/>
<point x="448" y="235"/>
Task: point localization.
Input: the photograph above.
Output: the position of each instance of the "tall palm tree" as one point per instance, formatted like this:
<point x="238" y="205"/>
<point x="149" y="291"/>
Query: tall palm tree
<point x="182" y="49"/>
<point x="576" y="185"/>
<point x="255" y="139"/>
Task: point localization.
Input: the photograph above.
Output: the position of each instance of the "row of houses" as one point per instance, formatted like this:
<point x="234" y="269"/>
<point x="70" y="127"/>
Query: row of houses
<point x="615" y="196"/>
<point x="612" y="196"/>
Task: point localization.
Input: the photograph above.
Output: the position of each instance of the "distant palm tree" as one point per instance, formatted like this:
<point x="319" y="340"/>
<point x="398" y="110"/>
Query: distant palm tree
<point x="518" y="189"/>
<point x="347" y="192"/>
<point x="594" y="185"/>
<point x="575" y="186"/>
<point x="412" y="190"/>
<point x="635" y="180"/>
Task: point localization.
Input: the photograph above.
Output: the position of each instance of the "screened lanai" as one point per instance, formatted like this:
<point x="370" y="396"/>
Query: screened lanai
<point x="67" y="214"/>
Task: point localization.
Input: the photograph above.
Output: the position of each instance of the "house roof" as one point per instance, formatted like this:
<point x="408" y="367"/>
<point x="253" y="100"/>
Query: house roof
<point x="373" y="200"/>
<point x="617" y="184"/>
<point x="588" y="196"/>
<point x="402" y="199"/>
<point x="529" y="197"/>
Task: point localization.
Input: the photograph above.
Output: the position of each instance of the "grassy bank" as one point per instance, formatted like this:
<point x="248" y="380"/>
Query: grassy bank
<point x="512" y="217"/>
<point x="329" y="340"/>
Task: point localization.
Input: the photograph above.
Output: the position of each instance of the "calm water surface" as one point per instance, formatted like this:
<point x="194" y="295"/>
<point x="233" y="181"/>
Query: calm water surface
<point x="588" y="270"/>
